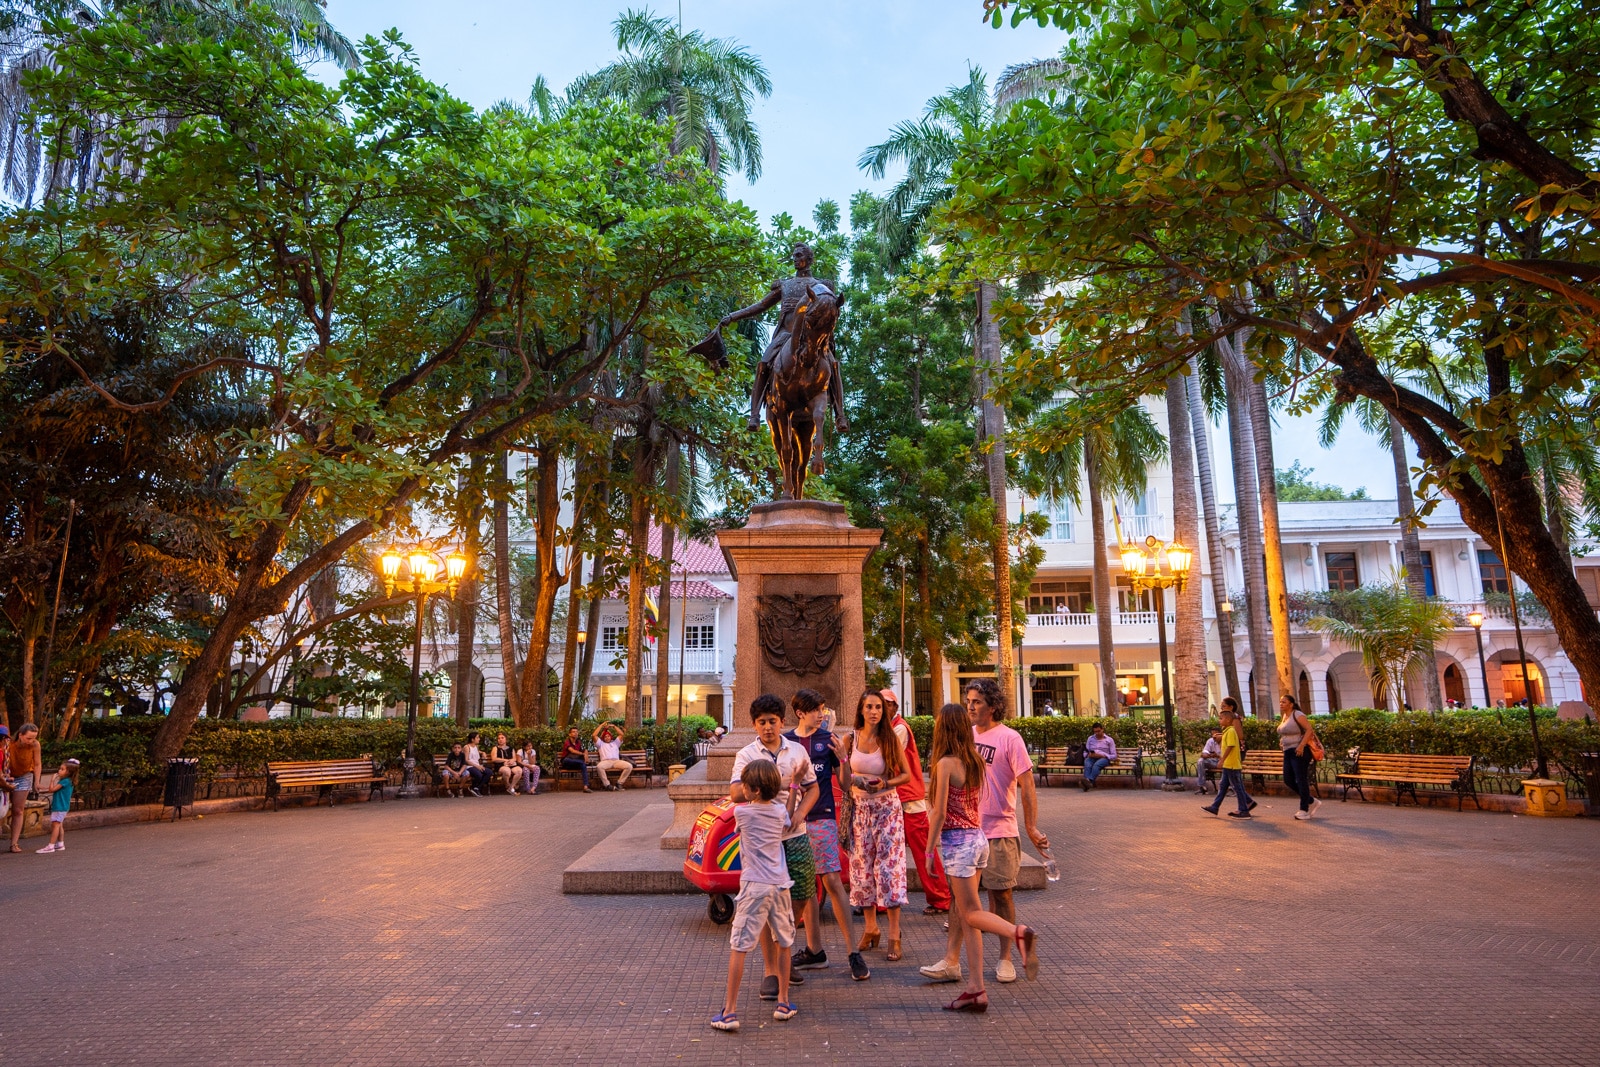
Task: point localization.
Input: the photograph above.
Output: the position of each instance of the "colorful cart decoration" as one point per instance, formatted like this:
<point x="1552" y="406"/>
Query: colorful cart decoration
<point x="712" y="862"/>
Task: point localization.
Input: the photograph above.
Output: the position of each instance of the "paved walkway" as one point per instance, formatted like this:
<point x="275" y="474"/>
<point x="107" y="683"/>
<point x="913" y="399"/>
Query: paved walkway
<point x="434" y="932"/>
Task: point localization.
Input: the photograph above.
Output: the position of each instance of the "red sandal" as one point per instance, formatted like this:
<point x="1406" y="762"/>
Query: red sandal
<point x="1030" y="957"/>
<point x="977" y="1003"/>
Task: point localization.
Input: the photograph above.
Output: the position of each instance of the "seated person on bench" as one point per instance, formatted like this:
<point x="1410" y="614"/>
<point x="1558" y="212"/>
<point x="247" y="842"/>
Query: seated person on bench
<point x="609" y="743"/>
<point x="454" y="770"/>
<point x="1210" y="758"/>
<point x="1099" y="752"/>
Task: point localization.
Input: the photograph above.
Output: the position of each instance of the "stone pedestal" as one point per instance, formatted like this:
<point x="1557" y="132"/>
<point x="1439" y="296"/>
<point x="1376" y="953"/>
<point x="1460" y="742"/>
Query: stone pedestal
<point x="1545" y="796"/>
<point x="792" y="556"/>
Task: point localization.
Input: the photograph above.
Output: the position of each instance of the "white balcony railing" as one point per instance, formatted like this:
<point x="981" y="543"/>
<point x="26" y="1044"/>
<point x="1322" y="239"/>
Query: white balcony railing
<point x="1138" y="527"/>
<point x="697" y="661"/>
<point x="1141" y="618"/>
<point x="1062" y="618"/>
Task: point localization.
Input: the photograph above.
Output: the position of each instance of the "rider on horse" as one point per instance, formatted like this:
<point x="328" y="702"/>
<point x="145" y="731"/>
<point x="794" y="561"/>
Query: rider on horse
<point x="789" y="294"/>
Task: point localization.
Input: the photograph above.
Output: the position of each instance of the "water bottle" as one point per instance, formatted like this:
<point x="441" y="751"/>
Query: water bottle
<point x="1052" y="870"/>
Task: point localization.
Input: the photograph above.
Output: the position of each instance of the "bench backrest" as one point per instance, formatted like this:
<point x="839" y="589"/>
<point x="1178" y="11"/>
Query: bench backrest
<point x="1408" y="763"/>
<point x="1263" y="760"/>
<point x="312" y="769"/>
<point x="636" y="756"/>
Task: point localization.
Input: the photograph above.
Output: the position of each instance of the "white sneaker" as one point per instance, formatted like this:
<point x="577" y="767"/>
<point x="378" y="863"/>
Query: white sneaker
<point x="1005" y="972"/>
<point x="1302" y="815"/>
<point x="941" y="972"/>
<point x="47" y="848"/>
<point x="511" y="792"/>
<point x="1315" y="804"/>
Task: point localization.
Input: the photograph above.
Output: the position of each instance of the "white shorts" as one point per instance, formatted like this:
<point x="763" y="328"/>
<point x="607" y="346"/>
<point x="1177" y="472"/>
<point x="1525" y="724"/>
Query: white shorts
<point x="758" y="905"/>
<point x="964" y="852"/>
<point x="58" y="816"/>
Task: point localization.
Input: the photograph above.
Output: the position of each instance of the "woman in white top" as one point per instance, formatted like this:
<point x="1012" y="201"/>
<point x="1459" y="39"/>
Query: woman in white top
<point x="1294" y="737"/>
<point x="877" y="827"/>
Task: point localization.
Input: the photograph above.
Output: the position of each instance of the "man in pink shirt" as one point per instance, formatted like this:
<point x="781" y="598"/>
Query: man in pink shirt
<point x="1009" y="772"/>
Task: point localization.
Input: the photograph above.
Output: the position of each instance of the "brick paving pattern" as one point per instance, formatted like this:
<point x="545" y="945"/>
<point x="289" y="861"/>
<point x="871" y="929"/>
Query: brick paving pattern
<point x="435" y="932"/>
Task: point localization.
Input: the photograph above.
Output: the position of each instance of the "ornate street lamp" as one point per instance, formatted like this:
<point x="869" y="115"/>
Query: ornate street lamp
<point x="422" y="568"/>
<point x="1475" y="620"/>
<point x="1142" y="565"/>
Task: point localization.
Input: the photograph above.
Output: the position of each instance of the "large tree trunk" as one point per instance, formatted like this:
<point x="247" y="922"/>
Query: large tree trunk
<point x="664" y="599"/>
<point x="1271" y="538"/>
<point x="930" y="638"/>
<point x="1411" y="553"/>
<point x="644" y="476"/>
<point x="504" y="606"/>
<point x="548" y="580"/>
<point x="1200" y="426"/>
<point x="1189" y="628"/>
<point x="464" y="692"/>
<point x="987" y="342"/>
<point x="1104" y="604"/>
<point x="569" y="650"/>
<point x="1247" y="507"/>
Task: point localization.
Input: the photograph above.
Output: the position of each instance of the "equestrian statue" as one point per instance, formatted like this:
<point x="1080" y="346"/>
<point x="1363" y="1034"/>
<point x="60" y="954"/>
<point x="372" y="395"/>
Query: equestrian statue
<point x="798" y="377"/>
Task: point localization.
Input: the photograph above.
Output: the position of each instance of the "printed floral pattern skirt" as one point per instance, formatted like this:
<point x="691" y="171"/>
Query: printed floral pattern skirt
<point x="878" y="852"/>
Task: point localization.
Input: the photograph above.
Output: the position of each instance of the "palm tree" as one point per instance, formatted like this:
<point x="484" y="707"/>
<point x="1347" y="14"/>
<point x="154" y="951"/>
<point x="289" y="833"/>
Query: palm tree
<point x="928" y="148"/>
<point x="1393" y="630"/>
<point x="1189" y="634"/>
<point x="1114" y="456"/>
<point x="701" y="87"/>
<point x="23" y="47"/>
<point x="1200" y="425"/>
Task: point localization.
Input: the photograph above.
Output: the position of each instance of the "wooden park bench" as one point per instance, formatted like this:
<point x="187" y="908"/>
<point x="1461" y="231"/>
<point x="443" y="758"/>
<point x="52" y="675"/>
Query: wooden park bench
<point x="324" y="776"/>
<point x="1055" y="760"/>
<point x="1406" y="772"/>
<point x="1129" y="761"/>
<point x="1259" y="763"/>
<point x="642" y="767"/>
<point x="568" y="774"/>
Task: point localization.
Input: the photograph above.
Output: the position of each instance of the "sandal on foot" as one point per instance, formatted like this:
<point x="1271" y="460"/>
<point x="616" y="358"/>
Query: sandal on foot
<point x="978" y="1002"/>
<point x="726" y="1021"/>
<point x="894" y="950"/>
<point x="1030" y="956"/>
<point x="784" y="1011"/>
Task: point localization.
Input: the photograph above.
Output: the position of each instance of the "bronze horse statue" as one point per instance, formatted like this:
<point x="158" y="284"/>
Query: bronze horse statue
<point x="797" y="394"/>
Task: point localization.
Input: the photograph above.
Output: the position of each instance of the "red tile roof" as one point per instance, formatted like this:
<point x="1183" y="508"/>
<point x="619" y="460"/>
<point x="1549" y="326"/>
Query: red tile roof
<point x="693" y="556"/>
<point x="698" y="590"/>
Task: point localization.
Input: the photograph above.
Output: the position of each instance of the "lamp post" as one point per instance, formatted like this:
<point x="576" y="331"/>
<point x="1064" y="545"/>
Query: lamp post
<point x="1142" y="565"/>
<point x="1475" y="620"/>
<point x="422" y="570"/>
<point x="1226" y="607"/>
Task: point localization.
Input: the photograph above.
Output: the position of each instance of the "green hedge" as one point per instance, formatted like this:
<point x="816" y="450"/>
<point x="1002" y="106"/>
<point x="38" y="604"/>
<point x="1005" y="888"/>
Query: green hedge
<point x="1500" y="740"/>
<point x="119" y="745"/>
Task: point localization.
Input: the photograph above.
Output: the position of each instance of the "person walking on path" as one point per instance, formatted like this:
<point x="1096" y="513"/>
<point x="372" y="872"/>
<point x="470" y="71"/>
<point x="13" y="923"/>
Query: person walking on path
<point x="27" y="759"/>
<point x="1232" y="762"/>
<point x="60" y="804"/>
<point x="573" y="757"/>
<point x="794" y="766"/>
<point x="762" y="912"/>
<point x="822" y="827"/>
<point x="1007" y="781"/>
<point x="608" y="742"/>
<point x="877" y="828"/>
<point x="1295" y="737"/>
<point x="963" y="851"/>
<point x="914" y="808"/>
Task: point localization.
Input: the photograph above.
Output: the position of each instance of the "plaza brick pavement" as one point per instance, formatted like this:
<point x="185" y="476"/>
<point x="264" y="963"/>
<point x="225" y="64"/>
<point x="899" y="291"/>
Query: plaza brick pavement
<point x="435" y="932"/>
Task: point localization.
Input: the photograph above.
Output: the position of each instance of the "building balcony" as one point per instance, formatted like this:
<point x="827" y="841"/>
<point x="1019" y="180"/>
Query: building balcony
<point x="697" y="661"/>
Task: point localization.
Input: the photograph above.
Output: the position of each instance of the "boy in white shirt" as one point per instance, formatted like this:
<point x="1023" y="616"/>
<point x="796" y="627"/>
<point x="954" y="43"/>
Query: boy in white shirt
<point x="1210" y="759"/>
<point x="762" y="912"/>
<point x="794" y="766"/>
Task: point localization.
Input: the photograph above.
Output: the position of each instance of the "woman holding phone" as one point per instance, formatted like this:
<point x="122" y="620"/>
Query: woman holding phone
<point x="877" y="827"/>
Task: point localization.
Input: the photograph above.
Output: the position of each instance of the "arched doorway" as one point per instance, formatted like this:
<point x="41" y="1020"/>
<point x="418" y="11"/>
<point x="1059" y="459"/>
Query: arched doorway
<point x="1455" y="687"/>
<point x="1347" y="676"/>
<point x="1510" y="686"/>
<point x="444" y="703"/>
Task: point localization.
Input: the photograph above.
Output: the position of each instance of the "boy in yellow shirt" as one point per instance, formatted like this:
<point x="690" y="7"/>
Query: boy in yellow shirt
<point x="1232" y="775"/>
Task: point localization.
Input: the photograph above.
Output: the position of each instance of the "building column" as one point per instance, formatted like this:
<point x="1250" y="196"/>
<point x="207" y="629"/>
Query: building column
<point x="1319" y="577"/>
<point x="1394" y="558"/>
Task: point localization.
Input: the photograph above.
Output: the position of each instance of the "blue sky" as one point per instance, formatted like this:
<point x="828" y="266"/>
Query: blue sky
<point x="843" y="73"/>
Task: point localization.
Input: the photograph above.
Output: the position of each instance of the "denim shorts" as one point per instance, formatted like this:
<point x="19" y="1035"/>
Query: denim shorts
<point x="24" y="783"/>
<point x="963" y="852"/>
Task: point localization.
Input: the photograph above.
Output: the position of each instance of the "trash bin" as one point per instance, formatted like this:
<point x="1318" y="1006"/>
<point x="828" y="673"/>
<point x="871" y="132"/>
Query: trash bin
<point x="1591" y="780"/>
<point x="182" y="775"/>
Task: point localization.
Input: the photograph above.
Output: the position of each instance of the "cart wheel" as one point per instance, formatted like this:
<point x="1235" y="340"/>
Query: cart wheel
<point x="720" y="908"/>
